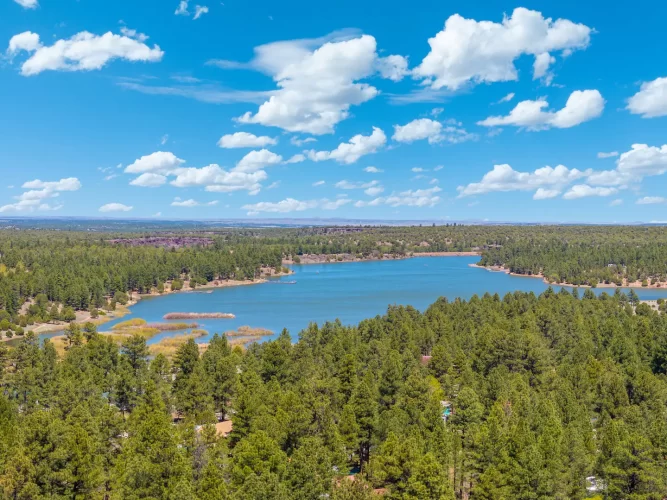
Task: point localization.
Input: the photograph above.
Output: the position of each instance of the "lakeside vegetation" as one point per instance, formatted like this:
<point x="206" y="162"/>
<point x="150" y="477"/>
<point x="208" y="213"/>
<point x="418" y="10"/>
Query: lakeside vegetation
<point x="539" y="394"/>
<point x="58" y="276"/>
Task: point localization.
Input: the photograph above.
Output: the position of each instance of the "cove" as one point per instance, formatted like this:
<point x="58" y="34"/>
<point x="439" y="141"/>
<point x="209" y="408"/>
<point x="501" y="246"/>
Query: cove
<point x="350" y="292"/>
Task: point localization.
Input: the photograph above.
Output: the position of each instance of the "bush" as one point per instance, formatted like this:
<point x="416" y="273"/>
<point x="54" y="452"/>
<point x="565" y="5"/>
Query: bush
<point x="176" y="285"/>
<point x="120" y="297"/>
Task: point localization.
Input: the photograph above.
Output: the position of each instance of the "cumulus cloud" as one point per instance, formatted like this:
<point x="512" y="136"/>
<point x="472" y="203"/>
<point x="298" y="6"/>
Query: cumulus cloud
<point x="257" y="160"/>
<point x="374" y="191"/>
<point x="161" y="162"/>
<point x="504" y="178"/>
<point x="293" y="205"/>
<point x="115" y="207"/>
<point x="157" y="168"/>
<point x="581" y="106"/>
<point x="28" y="4"/>
<point x="545" y="194"/>
<point x="651" y="100"/>
<point x="651" y="200"/>
<point x="192" y="203"/>
<point x="410" y="198"/>
<point x="373" y="170"/>
<point x="432" y="130"/>
<point x="610" y="154"/>
<point x="82" y="52"/>
<point x="643" y="160"/>
<point x="584" y="190"/>
<point x="149" y="179"/>
<point x="246" y="140"/>
<point x="37" y="191"/>
<point x="467" y="50"/>
<point x="355" y="148"/>
<point x="541" y="67"/>
<point x="318" y="80"/>
<point x="355" y="185"/>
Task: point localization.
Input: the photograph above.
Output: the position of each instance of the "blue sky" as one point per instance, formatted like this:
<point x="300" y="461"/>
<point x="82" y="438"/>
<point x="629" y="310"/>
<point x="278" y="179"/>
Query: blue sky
<point x="203" y="109"/>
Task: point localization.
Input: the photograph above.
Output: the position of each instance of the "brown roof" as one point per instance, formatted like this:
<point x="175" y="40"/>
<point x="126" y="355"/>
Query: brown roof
<point x="223" y="428"/>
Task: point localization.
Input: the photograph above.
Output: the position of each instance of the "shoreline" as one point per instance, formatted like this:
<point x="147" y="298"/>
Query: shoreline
<point x="308" y="259"/>
<point x="634" y="284"/>
<point x="123" y="310"/>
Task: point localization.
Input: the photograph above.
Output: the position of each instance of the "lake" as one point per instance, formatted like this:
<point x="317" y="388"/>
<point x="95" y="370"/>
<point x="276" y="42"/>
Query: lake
<point x="350" y="292"/>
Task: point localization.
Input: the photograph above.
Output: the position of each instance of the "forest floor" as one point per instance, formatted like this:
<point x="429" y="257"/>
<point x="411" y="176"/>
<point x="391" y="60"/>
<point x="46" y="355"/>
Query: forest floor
<point x="626" y="283"/>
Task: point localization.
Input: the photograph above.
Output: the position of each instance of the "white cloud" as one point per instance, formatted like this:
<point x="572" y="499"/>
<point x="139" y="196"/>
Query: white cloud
<point x="317" y="80"/>
<point x="580" y="107"/>
<point x="610" y="154"/>
<point x="467" y="50"/>
<point x="411" y="198"/>
<point x="27" y="41"/>
<point x="355" y="185"/>
<point x="158" y="162"/>
<point x="417" y="169"/>
<point x="273" y="185"/>
<point x="182" y="9"/>
<point x="438" y="168"/>
<point x="156" y="168"/>
<point x="651" y="100"/>
<point x="37" y="191"/>
<point x="504" y="178"/>
<point x="115" y="207"/>
<point x="437" y="111"/>
<point x="191" y="203"/>
<point x="434" y="131"/>
<point x="68" y="184"/>
<point x="610" y="178"/>
<point x="131" y="33"/>
<point x="245" y="140"/>
<point x="423" y="128"/>
<point x="293" y="205"/>
<point x="541" y="67"/>
<point x="643" y="160"/>
<point x="394" y="68"/>
<point x="584" y="190"/>
<point x="149" y="179"/>
<point x="298" y="158"/>
<point x="651" y="200"/>
<point x="164" y="139"/>
<point x="373" y="170"/>
<point x="319" y="183"/>
<point x="216" y="179"/>
<point x="615" y="203"/>
<point x="300" y="142"/>
<point x="374" y="191"/>
<point x="28" y="4"/>
<point x="257" y="160"/>
<point x="350" y="152"/>
<point x="200" y="10"/>
<point x="507" y="98"/>
<point x="82" y="52"/>
<point x="545" y="194"/>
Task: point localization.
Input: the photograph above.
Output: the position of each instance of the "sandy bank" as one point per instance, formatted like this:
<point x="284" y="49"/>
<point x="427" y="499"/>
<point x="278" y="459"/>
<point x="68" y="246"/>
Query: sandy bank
<point x="347" y="257"/>
<point x="626" y="283"/>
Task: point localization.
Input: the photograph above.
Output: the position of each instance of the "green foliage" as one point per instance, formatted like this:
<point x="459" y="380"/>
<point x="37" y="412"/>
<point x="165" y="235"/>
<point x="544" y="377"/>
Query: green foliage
<point x="543" y="391"/>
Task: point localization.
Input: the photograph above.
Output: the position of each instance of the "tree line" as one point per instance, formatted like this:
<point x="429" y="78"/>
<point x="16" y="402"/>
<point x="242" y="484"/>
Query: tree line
<point x="522" y="397"/>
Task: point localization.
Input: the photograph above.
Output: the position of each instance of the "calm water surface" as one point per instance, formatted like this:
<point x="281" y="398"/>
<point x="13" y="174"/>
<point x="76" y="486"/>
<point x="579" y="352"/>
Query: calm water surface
<point x="350" y="292"/>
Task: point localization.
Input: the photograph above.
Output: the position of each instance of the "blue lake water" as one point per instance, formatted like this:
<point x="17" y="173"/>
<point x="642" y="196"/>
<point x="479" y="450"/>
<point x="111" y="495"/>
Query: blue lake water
<point x="350" y="292"/>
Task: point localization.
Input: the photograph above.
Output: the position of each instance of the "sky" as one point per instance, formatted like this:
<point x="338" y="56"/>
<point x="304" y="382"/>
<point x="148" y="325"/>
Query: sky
<point x="489" y="110"/>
